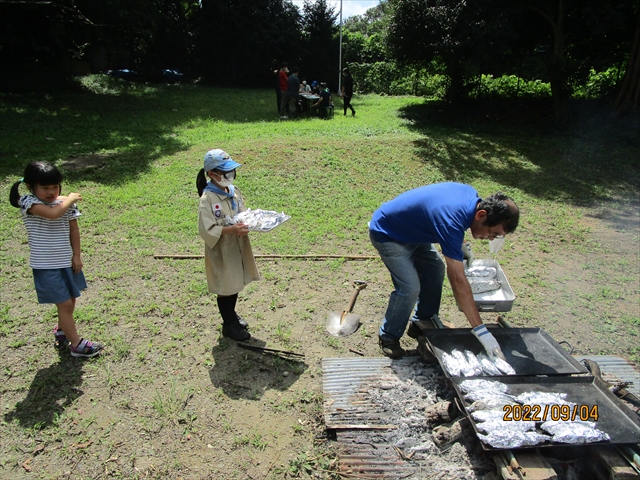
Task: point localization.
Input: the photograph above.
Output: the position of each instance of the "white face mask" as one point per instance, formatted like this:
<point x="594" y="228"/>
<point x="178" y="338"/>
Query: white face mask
<point x="226" y="178"/>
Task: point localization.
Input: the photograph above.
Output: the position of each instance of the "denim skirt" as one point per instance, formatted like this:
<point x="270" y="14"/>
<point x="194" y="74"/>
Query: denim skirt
<point x="57" y="285"/>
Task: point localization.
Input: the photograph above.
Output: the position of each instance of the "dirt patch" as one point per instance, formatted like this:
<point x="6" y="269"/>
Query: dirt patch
<point x="75" y="163"/>
<point x="172" y="399"/>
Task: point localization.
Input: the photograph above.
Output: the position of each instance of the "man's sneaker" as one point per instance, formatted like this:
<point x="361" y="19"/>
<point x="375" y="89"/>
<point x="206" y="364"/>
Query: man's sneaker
<point x="86" y="349"/>
<point x="60" y="339"/>
<point x="414" y="331"/>
<point x="243" y="323"/>
<point x="391" y="348"/>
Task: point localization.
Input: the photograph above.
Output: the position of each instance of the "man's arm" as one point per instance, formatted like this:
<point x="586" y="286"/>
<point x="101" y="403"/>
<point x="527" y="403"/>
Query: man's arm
<point x="462" y="291"/>
<point x="464" y="297"/>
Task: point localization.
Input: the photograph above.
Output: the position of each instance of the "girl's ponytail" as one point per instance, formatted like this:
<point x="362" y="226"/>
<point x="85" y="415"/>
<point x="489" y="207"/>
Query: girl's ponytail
<point x="201" y="182"/>
<point x="14" y="194"/>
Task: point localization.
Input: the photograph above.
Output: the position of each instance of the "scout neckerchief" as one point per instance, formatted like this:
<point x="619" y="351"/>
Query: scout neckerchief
<point x="212" y="188"/>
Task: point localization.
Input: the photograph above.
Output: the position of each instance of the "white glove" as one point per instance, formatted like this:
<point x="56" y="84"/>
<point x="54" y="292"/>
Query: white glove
<point x="467" y="253"/>
<point x="488" y="341"/>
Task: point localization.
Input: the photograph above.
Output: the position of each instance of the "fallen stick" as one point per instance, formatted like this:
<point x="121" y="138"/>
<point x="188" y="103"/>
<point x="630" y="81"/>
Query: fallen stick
<point x="267" y="256"/>
<point x="269" y="350"/>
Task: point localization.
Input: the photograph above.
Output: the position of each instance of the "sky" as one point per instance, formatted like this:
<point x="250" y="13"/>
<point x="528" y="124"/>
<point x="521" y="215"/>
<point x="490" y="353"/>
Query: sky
<point x="349" y="7"/>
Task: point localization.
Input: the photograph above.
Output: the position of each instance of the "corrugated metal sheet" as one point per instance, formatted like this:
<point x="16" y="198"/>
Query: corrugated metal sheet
<point x="350" y="411"/>
<point x="615" y="368"/>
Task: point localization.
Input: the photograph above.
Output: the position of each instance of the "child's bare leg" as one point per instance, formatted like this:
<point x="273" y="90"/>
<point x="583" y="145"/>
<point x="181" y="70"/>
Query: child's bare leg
<point x="66" y="323"/>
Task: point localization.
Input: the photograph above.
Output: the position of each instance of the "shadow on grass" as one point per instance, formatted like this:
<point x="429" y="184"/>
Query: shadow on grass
<point x="127" y="126"/>
<point x="52" y="390"/>
<point x="242" y="373"/>
<point x="583" y="158"/>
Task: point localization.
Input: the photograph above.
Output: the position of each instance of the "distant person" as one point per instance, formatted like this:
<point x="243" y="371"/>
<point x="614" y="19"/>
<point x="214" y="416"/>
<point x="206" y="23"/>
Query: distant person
<point x="51" y="221"/>
<point x="283" y="86"/>
<point x="347" y="91"/>
<point x="315" y="87"/>
<point x="228" y="258"/>
<point x="293" y="91"/>
<point x="278" y="94"/>
<point x="325" y="101"/>
<point x="304" y="88"/>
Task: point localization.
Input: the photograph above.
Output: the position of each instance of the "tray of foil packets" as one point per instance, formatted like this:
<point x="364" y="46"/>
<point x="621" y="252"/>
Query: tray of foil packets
<point x="523" y="412"/>
<point x="491" y="289"/>
<point x="259" y="220"/>
<point x="527" y="351"/>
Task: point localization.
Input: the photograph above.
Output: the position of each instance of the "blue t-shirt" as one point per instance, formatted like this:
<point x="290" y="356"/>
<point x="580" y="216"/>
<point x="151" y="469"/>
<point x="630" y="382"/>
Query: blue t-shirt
<point x="439" y="213"/>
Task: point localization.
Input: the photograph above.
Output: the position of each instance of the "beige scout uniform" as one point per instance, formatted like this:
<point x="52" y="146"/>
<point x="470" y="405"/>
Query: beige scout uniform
<point x="229" y="261"/>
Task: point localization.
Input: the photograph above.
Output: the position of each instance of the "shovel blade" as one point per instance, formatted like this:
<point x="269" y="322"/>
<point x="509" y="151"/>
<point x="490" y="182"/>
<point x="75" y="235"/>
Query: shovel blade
<point x="341" y="325"/>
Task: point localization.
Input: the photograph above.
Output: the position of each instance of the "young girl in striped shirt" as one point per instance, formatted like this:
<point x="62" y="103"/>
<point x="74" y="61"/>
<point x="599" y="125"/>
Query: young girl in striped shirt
<point x="54" y="244"/>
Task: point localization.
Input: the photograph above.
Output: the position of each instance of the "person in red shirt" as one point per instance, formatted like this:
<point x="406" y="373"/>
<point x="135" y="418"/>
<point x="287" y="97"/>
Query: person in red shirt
<point x="284" y="86"/>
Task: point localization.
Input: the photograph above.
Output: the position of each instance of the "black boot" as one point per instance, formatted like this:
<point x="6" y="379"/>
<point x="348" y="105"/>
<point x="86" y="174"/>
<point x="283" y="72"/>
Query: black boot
<point x="232" y="304"/>
<point x="231" y="327"/>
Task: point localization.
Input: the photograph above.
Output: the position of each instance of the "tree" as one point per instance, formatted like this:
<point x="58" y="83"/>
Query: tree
<point x="451" y="31"/>
<point x="320" y="32"/>
<point x="239" y="40"/>
<point x="629" y="93"/>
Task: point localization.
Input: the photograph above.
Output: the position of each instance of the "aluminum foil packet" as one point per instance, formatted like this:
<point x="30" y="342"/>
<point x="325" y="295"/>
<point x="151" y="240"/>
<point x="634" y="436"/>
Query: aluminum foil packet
<point x="465" y="369"/>
<point x="544" y="398"/>
<point x="488" y="367"/>
<point x="513" y="439"/>
<point x="503" y="366"/>
<point x="259" y="220"/>
<point x="481" y="285"/>
<point x="577" y="432"/>
<point x="487" y="415"/>
<point x="474" y="363"/>
<point x="483" y="386"/>
<point x="492" y="397"/>
<point x="495" y="403"/>
<point x="451" y="365"/>
<point x="500" y="425"/>
<point x="481" y="271"/>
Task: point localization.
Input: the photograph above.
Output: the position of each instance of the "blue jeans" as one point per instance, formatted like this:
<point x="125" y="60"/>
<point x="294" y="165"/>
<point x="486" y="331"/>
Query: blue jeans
<point x="417" y="272"/>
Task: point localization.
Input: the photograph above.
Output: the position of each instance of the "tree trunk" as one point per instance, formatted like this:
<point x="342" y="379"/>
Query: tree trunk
<point x="629" y="93"/>
<point x="555" y="62"/>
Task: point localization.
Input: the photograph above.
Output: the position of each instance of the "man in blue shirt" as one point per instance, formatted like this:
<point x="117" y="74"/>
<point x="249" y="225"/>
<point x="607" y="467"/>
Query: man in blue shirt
<point x="404" y="231"/>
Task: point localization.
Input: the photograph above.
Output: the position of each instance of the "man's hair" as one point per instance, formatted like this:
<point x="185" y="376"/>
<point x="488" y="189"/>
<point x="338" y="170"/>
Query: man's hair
<point x="284" y="64"/>
<point x="500" y="209"/>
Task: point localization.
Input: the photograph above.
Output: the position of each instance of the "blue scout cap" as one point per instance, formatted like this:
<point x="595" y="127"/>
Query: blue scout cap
<point x="217" y="159"/>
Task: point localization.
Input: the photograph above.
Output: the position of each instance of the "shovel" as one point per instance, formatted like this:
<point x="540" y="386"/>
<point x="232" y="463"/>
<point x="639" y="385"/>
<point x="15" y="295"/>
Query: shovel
<point x="341" y="325"/>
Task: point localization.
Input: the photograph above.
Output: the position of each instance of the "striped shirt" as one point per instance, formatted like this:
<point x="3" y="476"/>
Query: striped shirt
<point x="49" y="242"/>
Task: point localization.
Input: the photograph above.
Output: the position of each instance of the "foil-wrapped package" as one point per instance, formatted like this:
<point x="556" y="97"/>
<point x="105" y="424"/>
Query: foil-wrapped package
<point x="489" y="403"/>
<point x="481" y="271"/>
<point x="513" y="439"/>
<point x="481" y="285"/>
<point x="473" y="363"/>
<point x="483" y="386"/>
<point x="505" y="398"/>
<point x="576" y="432"/>
<point x="487" y="365"/>
<point x="487" y="415"/>
<point x="451" y="365"/>
<point x="259" y="220"/>
<point x="543" y="398"/>
<point x="500" y="425"/>
<point x="465" y="368"/>
<point x="503" y="366"/>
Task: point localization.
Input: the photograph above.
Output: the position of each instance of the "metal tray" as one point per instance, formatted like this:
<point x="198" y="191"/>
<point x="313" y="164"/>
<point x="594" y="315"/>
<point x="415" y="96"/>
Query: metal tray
<point x="614" y="417"/>
<point x="497" y="300"/>
<point x="530" y="351"/>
